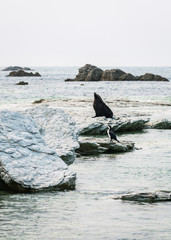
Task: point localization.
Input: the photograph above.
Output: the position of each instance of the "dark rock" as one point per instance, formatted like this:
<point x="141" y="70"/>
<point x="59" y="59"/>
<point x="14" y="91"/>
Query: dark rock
<point x="101" y="109"/>
<point x="157" y="196"/>
<point x="21" y="73"/>
<point x="127" y="77"/>
<point x="112" y="75"/>
<point x="93" y="73"/>
<point x="151" y="77"/>
<point x="22" y="83"/>
<point x="16" y="68"/>
<point x="163" y="124"/>
<point x="88" y="73"/>
<point x="124" y="126"/>
<point x="39" y="101"/>
<point x="93" y="146"/>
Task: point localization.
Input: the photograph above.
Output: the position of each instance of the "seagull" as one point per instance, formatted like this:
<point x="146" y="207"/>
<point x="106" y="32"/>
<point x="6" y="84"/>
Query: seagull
<point x="111" y="134"/>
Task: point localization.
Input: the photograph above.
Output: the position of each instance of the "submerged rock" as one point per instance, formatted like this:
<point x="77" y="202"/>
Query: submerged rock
<point x="21" y="73"/>
<point x="16" y="68"/>
<point x="26" y="162"/>
<point x="157" y="196"/>
<point x="58" y="130"/>
<point x="93" y="146"/>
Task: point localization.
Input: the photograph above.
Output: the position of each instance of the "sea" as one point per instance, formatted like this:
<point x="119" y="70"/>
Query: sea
<point x="88" y="212"/>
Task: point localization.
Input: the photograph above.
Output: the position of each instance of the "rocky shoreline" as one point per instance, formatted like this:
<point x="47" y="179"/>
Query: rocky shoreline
<point x="48" y="125"/>
<point x="93" y="73"/>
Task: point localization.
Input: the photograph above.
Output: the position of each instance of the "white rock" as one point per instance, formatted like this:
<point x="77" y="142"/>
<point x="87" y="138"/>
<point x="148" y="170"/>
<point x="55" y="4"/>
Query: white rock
<point x="58" y="130"/>
<point x="27" y="163"/>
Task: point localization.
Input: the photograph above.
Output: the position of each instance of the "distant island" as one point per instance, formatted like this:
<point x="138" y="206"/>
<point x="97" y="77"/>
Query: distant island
<point x="21" y="73"/>
<point x="16" y="68"/>
<point x="93" y="73"/>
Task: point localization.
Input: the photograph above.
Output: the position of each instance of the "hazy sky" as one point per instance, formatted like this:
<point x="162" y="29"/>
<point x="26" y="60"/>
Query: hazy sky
<point x="76" y="32"/>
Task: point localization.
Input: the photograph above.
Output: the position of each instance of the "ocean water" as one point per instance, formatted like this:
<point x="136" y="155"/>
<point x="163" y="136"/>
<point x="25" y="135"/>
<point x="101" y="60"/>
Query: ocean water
<point x="89" y="212"/>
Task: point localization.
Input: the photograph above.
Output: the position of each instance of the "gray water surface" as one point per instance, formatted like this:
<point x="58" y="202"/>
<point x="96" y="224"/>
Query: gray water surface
<point x="88" y="212"/>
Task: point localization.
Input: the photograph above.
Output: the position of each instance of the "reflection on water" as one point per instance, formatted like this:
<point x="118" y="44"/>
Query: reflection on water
<point x="88" y="212"/>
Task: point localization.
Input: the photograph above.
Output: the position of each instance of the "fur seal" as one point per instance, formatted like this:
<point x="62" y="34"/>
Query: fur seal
<point x="101" y="109"/>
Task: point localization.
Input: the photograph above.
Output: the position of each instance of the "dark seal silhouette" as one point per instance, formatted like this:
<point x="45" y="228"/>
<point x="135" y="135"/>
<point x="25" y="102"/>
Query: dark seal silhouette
<point x="101" y="109"/>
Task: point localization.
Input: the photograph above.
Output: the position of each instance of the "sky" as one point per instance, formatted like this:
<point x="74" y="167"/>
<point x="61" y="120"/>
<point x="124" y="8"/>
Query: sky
<point x="76" y="32"/>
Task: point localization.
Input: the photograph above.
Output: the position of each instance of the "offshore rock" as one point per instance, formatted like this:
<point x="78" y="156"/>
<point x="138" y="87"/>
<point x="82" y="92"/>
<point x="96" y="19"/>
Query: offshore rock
<point x="88" y="73"/>
<point x="94" y="146"/>
<point x="16" y="68"/>
<point x="151" y="77"/>
<point x="27" y="163"/>
<point x="101" y="109"/>
<point x="163" y="124"/>
<point x="21" y="73"/>
<point x="93" y="73"/>
<point x="58" y="130"/>
<point x="94" y="127"/>
<point x="22" y="83"/>
<point x="112" y="75"/>
<point x="157" y="196"/>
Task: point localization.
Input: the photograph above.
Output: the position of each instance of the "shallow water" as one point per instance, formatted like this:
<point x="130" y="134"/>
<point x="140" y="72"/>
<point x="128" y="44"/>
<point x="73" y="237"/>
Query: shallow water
<point x="88" y="212"/>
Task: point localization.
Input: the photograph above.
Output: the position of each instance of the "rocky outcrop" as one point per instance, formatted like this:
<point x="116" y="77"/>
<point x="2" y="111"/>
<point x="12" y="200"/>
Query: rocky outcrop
<point x="112" y="75"/>
<point x="158" y="196"/>
<point x="22" y="83"/>
<point x="26" y="162"/>
<point x="94" y="146"/>
<point x="88" y="73"/>
<point x="151" y="77"/>
<point x="21" y="73"/>
<point x="93" y="73"/>
<point x="163" y="124"/>
<point x="100" y="127"/>
<point x="16" y="68"/>
<point x="58" y="130"/>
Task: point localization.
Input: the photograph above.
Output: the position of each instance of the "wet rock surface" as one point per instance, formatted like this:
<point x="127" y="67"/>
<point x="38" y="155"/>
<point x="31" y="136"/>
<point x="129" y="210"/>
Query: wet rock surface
<point x="27" y="163"/>
<point x="94" y="146"/>
<point x="158" y="196"/>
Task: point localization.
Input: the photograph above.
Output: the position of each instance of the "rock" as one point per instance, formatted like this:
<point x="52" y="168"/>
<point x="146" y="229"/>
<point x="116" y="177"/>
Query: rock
<point x="157" y="196"/>
<point x="151" y="77"/>
<point x="88" y="73"/>
<point x="112" y="75"/>
<point x="127" y="77"/>
<point x="93" y="146"/>
<point x="21" y="73"/>
<point x="39" y="101"/>
<point x="101" y="109"/>
<point x="163" y="124"/>
<point x="58" y="130"/>
<point x="16" y="68"/>
<point x="22" y="83"/>
<point x="93" y="73"/>
<point x="26" y="162"/>
<point x="100" y="127"/>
